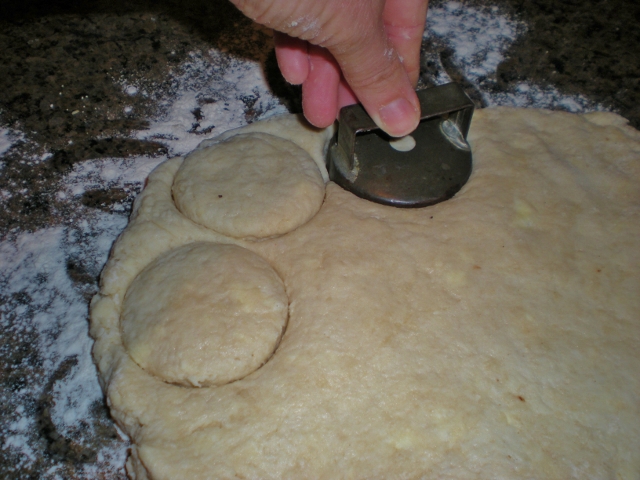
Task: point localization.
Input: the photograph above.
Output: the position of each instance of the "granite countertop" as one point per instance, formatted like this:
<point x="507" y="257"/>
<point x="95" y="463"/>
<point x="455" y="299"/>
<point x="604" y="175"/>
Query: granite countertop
<point x="94" y="94"/>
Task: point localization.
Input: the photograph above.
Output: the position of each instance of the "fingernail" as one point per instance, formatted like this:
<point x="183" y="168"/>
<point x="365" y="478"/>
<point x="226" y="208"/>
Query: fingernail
<point x="399" y="117"/>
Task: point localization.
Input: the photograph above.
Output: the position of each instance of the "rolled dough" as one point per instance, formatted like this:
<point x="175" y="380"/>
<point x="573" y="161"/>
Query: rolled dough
<point x="494" y="335"/>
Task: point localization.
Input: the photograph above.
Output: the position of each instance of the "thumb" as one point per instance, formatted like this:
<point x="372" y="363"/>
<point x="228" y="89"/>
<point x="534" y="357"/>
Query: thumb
<point x="373" y="70"/>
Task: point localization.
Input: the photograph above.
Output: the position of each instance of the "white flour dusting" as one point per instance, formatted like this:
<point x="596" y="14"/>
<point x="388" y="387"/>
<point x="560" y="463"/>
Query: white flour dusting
<point x="125" y="173"/>
<point x="43" y="305"/>
<point x="218" y="86"/>
<point x="7" y="138"/>
<point x="479" y="38"/>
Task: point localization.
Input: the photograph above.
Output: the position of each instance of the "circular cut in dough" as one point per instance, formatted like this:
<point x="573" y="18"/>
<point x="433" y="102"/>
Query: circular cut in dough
<point x="204" y="314"/>
<point x="250" y="185"/>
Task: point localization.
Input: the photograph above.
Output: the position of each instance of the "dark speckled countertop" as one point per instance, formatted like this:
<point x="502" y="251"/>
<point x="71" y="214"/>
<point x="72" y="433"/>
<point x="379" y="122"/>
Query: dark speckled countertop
<point x="63" y="100"/>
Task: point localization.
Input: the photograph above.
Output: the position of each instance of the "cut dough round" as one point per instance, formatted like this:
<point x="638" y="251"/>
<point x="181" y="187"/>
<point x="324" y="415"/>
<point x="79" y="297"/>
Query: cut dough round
<point x="250" y="185"/>
<point x="204" y="314"/>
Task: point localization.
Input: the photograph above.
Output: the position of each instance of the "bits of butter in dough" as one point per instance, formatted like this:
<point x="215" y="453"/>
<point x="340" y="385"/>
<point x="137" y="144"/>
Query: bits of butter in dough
<point x="204" y="314"/>
<point x="250" y="185"/>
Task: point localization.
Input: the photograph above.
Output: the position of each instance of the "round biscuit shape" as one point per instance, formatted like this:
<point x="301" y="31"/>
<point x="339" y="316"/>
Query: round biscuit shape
<point x="251" y="185"/>
<point x="204" y="314"/>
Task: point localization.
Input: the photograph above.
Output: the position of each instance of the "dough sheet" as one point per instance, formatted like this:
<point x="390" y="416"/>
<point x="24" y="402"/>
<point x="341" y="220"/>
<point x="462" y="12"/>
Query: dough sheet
<point x="494" y="335"/>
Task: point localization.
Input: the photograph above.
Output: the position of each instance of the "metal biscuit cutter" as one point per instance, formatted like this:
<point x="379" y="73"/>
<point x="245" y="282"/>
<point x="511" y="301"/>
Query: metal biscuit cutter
<point x="361" y="158"/>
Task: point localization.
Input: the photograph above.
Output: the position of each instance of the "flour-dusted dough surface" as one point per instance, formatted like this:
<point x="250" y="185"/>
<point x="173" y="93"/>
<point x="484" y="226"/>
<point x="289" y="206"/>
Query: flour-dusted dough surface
<point x="249" y="185"/>
<point x="204" y="314"/>
<point x="494" y="335"/>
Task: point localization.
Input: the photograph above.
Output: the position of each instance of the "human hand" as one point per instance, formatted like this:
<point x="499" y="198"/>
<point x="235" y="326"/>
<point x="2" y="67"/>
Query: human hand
<point x="342" y="51"/>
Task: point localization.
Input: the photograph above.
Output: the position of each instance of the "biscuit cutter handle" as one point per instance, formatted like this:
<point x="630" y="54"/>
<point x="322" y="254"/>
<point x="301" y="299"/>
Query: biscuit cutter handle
<point x="361" y="159"/>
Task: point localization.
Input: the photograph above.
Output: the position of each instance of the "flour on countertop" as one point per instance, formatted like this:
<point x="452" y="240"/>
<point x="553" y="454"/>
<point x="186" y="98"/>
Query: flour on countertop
<point x="55" y="404"/>
<point x="42" y="305"/>
<point x="479" y="38"/>
<point x="7" y="138"/>
<point x="126" y="173"/>
<point x="218" y="87"/>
